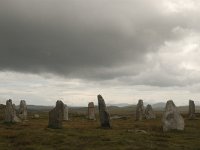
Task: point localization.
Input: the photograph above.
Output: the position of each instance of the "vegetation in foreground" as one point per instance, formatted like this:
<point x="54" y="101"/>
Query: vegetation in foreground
<point x="82" y="134"/>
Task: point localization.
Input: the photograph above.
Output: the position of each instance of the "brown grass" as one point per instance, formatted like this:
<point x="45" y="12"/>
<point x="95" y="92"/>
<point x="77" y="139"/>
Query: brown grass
<point x="82" y="134"/>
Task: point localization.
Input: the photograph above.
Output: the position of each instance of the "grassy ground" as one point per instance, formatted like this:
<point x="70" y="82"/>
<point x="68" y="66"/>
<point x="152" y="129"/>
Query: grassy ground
<point x="82" y="134"/>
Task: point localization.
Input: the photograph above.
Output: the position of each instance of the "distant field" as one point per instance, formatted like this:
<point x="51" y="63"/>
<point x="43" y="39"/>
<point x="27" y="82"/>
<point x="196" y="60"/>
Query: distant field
<point x="82" y="134"/>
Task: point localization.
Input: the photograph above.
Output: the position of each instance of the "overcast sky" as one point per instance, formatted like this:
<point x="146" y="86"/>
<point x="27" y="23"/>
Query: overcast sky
<point x="123" y="49"/>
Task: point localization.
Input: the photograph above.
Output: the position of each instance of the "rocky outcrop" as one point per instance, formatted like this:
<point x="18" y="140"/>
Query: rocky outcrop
<point x="103" y="113"/>
<point x="149" y="113"/>
<point x="139" y="111"/>
<point x="172" y="120"/>
<point x="56" y="115"/>
<point x="91" y="111"/>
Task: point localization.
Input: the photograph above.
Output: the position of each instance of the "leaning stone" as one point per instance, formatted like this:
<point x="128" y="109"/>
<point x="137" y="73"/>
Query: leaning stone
<point x="56" y="115"/>
<point x="103" y="113"/>
<point x="23" y="110"/>
<point x="65" y="116"/>
<point x="172" y="120"/>
<point x="140" y="110"/>
<point x="91" y="111"/>
<point x="10" y="112"/>
<point x="149" y="113"/>
<point x="191" y="109"/>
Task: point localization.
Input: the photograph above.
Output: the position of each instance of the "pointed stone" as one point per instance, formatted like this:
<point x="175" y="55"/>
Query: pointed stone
<point x="149" y="113"/>
<point x="172" y="119"/>
<point x="56" y="115"/>
<point x="23" y="110"/>
<point x="139" y="111"/>
<point x="10" y="112"/>
<point x="191" y="109"/>
<point x="91" y="111"/>
<point x="103" y="113"/>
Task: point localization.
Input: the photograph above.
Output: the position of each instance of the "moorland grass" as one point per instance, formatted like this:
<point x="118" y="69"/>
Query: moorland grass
<point x="81" y="134"/>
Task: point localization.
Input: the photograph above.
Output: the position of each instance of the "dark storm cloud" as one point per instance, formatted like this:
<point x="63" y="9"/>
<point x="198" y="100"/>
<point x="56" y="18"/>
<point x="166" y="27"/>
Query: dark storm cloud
<point x="87" y="39"/>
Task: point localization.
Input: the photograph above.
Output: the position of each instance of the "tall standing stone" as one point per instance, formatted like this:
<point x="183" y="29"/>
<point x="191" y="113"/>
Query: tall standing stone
<point x="23" y="110"/>
<point x="65" y="114"/>
<point x="172" y="120"/>
<point x="149" y="113"/>
<point x="10" y="112"/>
<point x="139" y="110"/>
<point x="91" y="111"/>
<point x="191" y="109"/>
<point x="103" y="113"/>
<point x="56" y="115"/>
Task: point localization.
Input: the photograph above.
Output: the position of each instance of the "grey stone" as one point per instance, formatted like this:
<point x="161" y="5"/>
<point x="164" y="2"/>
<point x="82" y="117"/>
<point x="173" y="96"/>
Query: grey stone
<point x="103" y="113"/>
<point x="65" y="114"/>
<point x="191" y="109"/>
<point x="149" y="113"/>
<point x="36" y="116"/>
<point x="172" y="119"/>
<point x="139" y="111"/>
<point x="91" y="111"/>
<point x="56" y="115"/>
<point x="23" y="110"/>
<point x="10" y="112"/>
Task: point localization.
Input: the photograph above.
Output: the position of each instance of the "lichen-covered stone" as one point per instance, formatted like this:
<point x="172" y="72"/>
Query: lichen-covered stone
<point x="103" y="113"/>
<point x="23" y="110"/>
<point x="191" y="109"/>
<point x="139" y="111"/>
<point x="65" y="114"/>
<point x="172" y="119"/>
<point x="91" y="111"/>
<point x="56" y="115"/>
<point x="10" y="112"/>
<point x="149" y="113"/>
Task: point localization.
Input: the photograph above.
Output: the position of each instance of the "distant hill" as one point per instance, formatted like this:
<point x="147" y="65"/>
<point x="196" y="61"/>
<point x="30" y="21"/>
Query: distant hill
<point x="159" y="105"/>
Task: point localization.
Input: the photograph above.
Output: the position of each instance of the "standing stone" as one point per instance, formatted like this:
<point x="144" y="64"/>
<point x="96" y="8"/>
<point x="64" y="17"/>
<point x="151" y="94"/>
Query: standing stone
<point x="65" y="117"/>
<point x="172" y="120"/>
<point x="140" y="110"/>
<point x="191" y="109"/>
<point x="149" y="113"/>
<point x="91" y="111"/>
<point x="56" y="115"/>
<point x="23" y="110"/>
<point x="103" y="113"/>
<point x="10" y="112"/>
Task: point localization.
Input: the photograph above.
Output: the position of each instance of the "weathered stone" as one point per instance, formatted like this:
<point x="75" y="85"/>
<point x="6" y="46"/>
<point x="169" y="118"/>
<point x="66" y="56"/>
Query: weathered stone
<point x="191" y="109"/>
<point x="172" y="120"/>
<point x="10" y="112"/>
<point x="91" y="111"/>
<point x="65" y="117"/>
<point x="149" y="113"/>
<point x="36" y="116"/>
<point x="139" y="110"/>
<point x="103" y="113"/>
<point x="56" y="115"/>
<point x="23" y="110"/>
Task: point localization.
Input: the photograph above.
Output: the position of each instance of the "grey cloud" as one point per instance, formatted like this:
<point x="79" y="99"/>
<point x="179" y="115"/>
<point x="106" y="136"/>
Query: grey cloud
<point x="88" y="39"/>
